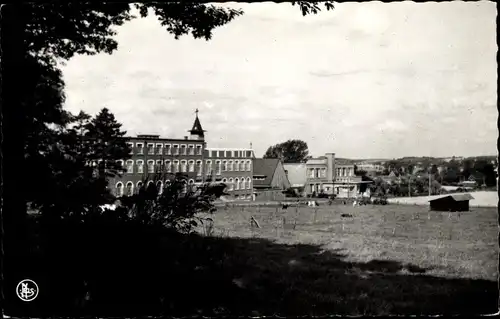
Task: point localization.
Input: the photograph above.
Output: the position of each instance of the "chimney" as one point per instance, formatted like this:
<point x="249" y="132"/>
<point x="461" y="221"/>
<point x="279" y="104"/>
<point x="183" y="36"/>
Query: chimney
<point x="185" y="137"/>
<point x="330" y="167"/>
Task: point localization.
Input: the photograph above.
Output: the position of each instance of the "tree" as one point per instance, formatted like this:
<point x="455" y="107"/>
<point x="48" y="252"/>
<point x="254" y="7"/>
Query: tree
<point x="107" y="143"/>
<point x="291" y="151"/>
<point x="71" y="187"/>
<point x="359" y="172"/>
<point x="411" y="168"/>
<point x="488" y="170"/>
<point x="468" y="167"/>
<point x="435" y="188"/>
<point x="451" y="176"/>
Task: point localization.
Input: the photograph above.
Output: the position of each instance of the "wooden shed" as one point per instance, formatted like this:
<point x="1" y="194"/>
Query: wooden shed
<point x="451" y="203"/>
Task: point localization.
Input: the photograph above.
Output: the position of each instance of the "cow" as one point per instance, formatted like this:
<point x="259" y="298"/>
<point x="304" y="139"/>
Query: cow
<point x="312" y="203"/>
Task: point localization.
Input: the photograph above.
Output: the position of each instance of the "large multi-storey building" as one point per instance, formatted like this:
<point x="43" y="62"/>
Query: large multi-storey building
<point x="158" y="159"/>
<point x="233" y="167"/>
<point x="333" y="177"/>
<point x="320" y="174"/>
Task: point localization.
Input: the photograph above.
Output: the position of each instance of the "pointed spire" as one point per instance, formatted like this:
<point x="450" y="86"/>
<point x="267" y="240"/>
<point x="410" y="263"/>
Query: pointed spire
<point x="197" y="128"/>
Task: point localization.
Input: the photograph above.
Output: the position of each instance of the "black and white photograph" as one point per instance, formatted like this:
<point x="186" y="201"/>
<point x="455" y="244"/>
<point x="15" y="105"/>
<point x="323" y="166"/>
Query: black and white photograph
<point x="252" y="159"/>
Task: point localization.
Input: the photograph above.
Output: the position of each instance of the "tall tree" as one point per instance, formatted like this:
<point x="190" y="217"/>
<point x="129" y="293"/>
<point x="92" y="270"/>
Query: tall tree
<point x="468" y="167"/>
<point x="485" y="167"/>
<point x="291" y="151"/>
<point x="108" y="144"/>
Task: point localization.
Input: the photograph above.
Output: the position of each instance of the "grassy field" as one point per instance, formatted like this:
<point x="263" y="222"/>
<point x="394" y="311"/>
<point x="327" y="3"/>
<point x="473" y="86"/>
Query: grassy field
<point x="390" y="259"/>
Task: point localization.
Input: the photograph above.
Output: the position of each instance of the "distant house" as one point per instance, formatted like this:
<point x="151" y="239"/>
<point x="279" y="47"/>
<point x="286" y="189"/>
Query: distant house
<point x="477" y="177"/>
<point x="451" y="203"/>
<point x="269" y="178"/>
<point x="296" y="173"/>
<point x="370" y="168"/>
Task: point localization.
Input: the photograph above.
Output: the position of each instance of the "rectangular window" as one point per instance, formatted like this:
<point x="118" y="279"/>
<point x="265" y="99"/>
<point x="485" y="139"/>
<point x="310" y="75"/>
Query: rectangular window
<point x="176" y="166"/>
<point x="140" y="148"/>
<point x="159" y="166"/>
<point x="183" y="149"/>
<point x="214" y="154"/>
<point x="151" y="149"/>
<point x="130" y="167"/>
<point x="131" y="146"/>
<point x="218" y="168"/>
<point x="168" y="166"/>
<point x="208" y="167"/>
<point x="199" y="168"/>
<point x="224" y="166"/>
<point x="198" y="149"/>
<point x="249" y="153"/>
<point x="191" y="166"/>
<point x="176" y="149"/>
<point x="221" y="154"/>
<point x="183" y="166"/>
<point x="159" y="149"/>
<point x="151" y="166"/>
<point x="191" y="149"/>
<point x="229" y="154"/>
<point x="140" y="167"/>
<point x="168" y="149"/>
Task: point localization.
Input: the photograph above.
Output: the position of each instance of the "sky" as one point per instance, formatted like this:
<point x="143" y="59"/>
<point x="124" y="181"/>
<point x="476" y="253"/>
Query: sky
<point x="367" y="80"/>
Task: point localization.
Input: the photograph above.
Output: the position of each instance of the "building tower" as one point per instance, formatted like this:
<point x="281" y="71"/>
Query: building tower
<point x="197" y="132"/>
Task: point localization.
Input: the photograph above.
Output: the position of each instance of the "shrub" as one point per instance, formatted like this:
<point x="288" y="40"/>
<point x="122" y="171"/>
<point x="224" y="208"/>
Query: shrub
<point x="177" y="206"/>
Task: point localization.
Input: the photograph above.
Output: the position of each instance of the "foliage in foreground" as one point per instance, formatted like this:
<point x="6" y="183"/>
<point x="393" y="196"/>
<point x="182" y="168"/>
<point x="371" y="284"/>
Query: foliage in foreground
<point x="175" y="205"/>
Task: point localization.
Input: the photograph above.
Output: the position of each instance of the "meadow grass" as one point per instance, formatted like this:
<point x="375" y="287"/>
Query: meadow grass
<point x="383" y="260"/>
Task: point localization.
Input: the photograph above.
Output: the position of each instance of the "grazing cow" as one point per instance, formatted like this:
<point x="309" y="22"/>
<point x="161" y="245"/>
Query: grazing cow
<point x="312" y="203"/>
<point x="346" y="215"/>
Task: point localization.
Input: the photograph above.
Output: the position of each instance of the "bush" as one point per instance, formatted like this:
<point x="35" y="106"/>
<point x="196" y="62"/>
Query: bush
<point x="290" y="192"/>
<point x="176" y="207"/>
<point x="379" y="201"/>
<point x="323" y="195"/>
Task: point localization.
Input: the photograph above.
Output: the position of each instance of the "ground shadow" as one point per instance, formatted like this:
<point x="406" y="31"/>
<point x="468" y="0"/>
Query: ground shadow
<point x="129" y="270"/>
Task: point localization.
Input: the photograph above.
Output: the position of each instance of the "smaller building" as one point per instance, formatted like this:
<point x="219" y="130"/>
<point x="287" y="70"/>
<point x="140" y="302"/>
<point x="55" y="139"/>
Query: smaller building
<point x="451" y="203"/>
<point x="269" y="179"/>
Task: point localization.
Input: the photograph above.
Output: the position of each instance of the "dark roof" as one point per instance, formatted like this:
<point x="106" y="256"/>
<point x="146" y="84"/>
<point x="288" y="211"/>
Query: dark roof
<point x="197" y="129"/>
<point x="456" y="197"/>
<point x="264" y="167"/>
